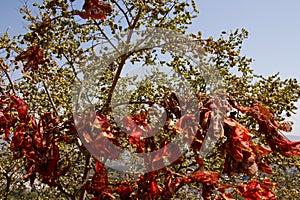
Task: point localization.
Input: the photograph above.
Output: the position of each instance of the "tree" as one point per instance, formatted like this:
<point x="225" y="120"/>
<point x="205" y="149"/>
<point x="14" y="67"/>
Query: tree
<point x="54" y="140"/>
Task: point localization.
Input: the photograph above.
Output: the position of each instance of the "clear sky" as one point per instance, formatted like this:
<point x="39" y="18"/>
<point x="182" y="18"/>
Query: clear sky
<point x="274" y="34"/>
<point x="273" y="25"/>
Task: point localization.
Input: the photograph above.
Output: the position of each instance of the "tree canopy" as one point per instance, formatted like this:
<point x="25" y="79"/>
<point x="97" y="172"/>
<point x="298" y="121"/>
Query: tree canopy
<point x="190" y="119"/>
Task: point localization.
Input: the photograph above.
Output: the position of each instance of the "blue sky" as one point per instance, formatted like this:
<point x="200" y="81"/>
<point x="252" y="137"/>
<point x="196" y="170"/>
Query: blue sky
<point x="274" y="34"/>
<point x="274" y="31"/>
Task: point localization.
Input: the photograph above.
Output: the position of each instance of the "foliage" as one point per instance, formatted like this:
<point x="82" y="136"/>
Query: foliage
<point x="44" y="157"/>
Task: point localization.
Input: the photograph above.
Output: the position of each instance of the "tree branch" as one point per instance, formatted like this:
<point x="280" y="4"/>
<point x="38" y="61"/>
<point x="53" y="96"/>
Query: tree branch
<point x="68" y="195"/>
<point x="157" y="25"/>
<point x="122" y="10"/>
<point x="124" y="57"/>
<point x="50" y="98"/>
<point x="136" y="19"/>
<point x="72" y="66"/>
<point x="85" y="175"/>
<point x="105" y="36"/>
<point x="127" y="8"/>
<point x="115" y="81"/>
<point x="8" y="77"/>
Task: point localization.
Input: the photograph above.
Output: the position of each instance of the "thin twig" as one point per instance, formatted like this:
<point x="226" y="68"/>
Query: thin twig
<point x="127" y="8"/>
<point x="8" y="77"/>
<point x="106" y="37"/>
<point x="165" y="15"/>
<point x="50" y="98"/>
<point x="72" y="66"/>
<point x="121" y="9"/>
